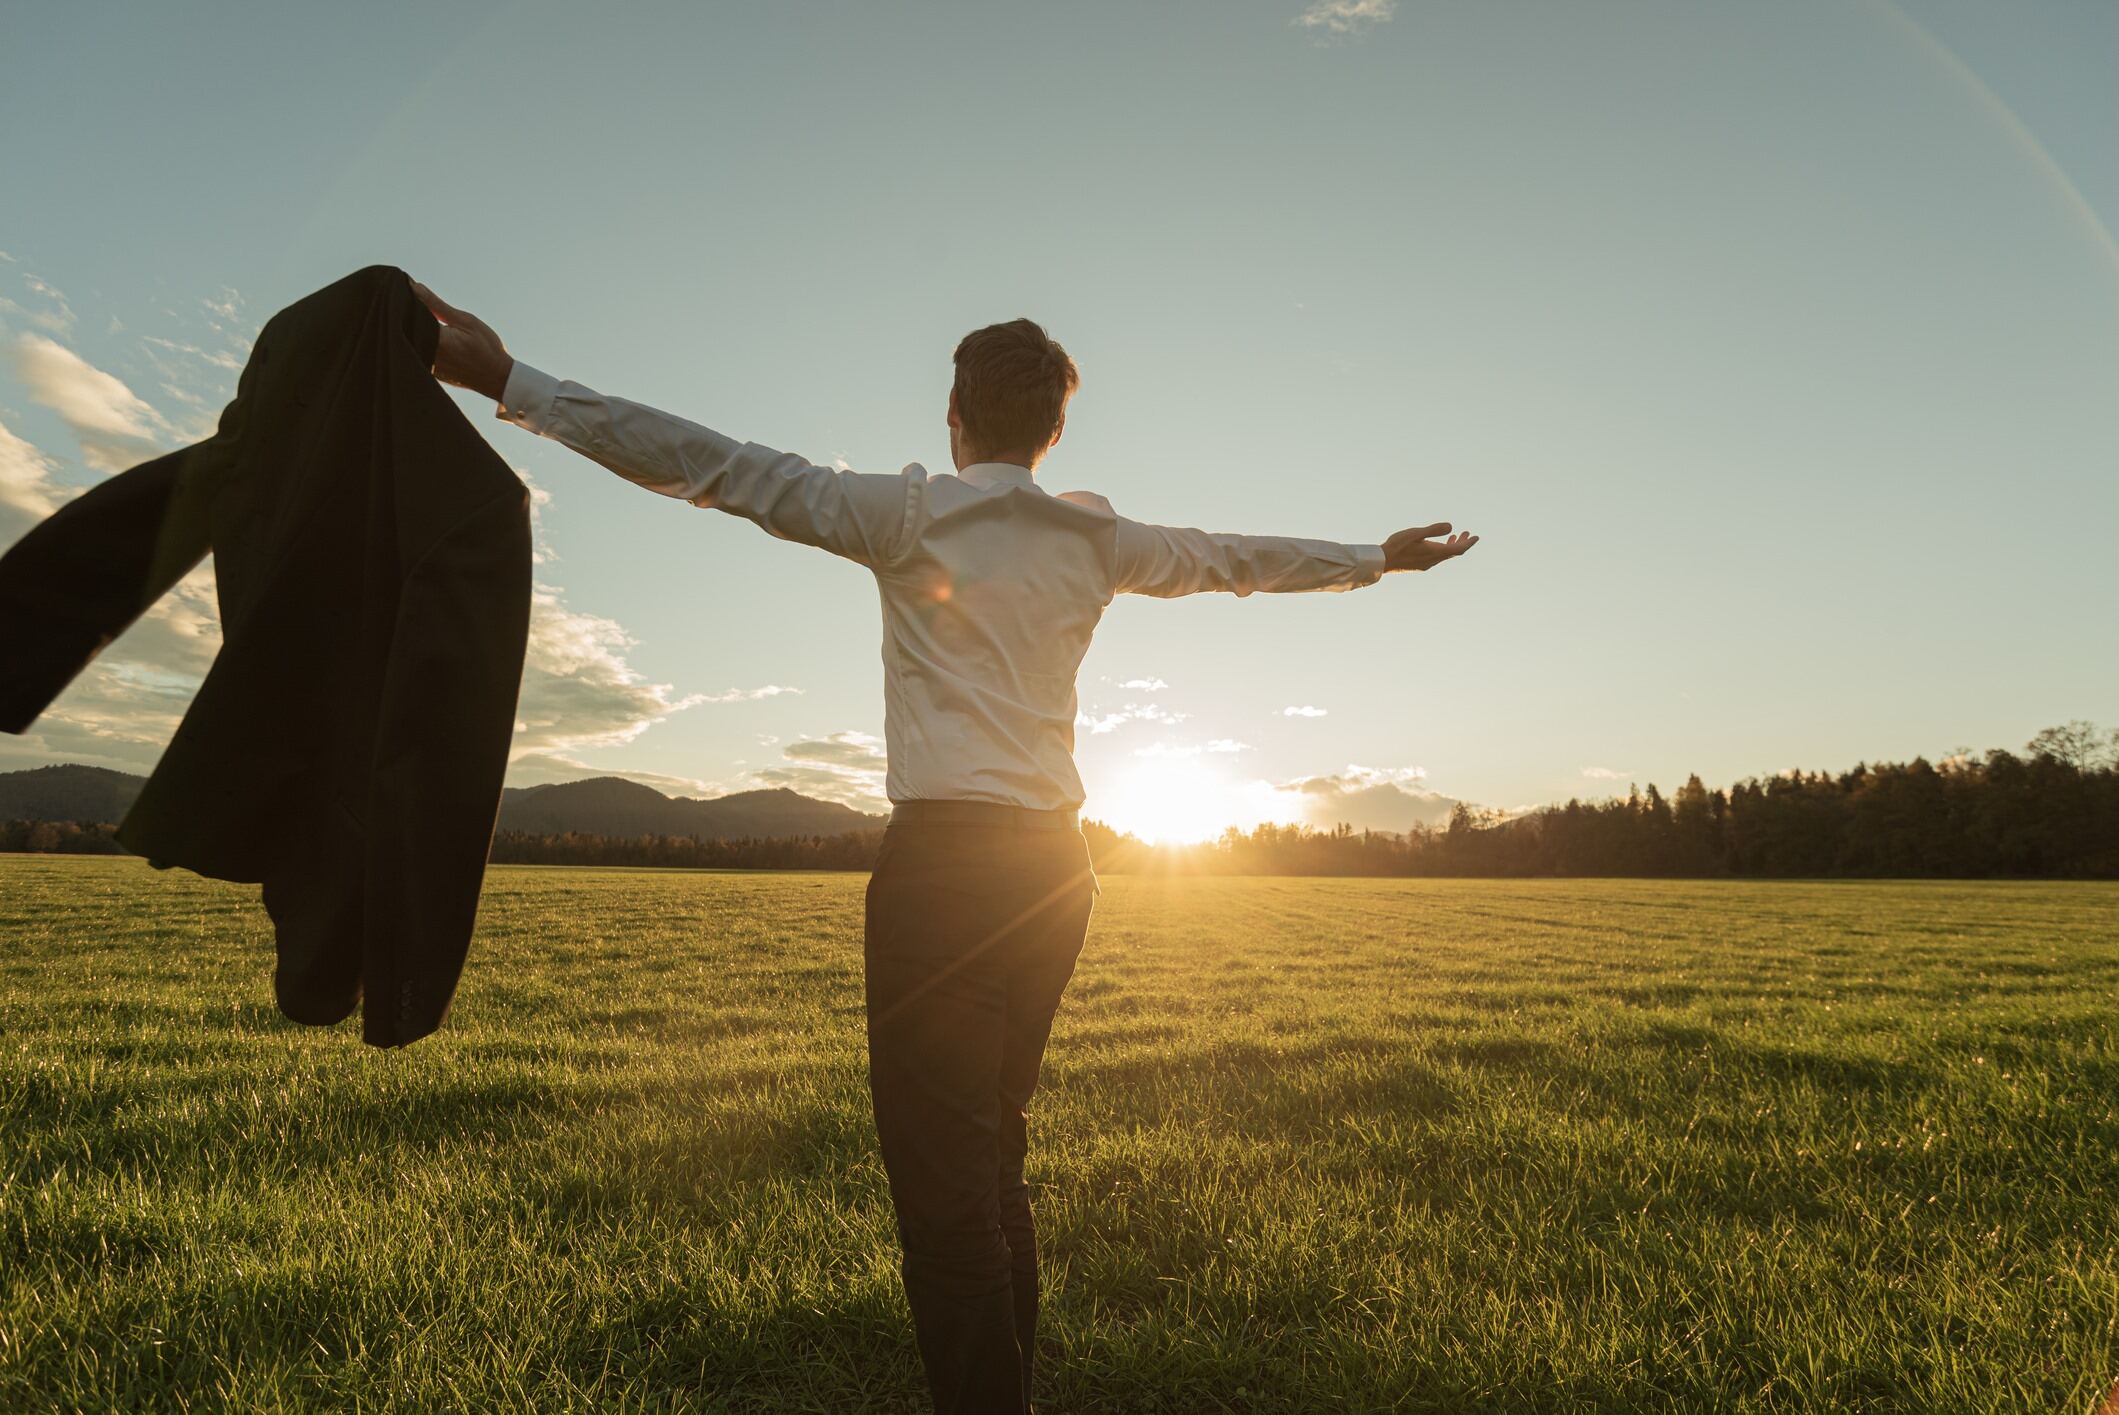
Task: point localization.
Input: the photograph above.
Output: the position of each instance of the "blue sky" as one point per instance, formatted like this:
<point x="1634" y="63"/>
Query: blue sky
<point x="1772" y="349"/>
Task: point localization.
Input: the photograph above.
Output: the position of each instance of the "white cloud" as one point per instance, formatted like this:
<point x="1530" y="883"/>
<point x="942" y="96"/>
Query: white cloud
<point x="747" y="695"/>
<point x="27" y="492"/>
<point x="1346" y="16"/>
<point x="1605" y="773"/>
<point x="1100" y="723"/>
<point x="846" y="767"/>
<point x="1304" y="711"/>
<point x="1145" y="685"/>
<point x="578" y="690"/>
<point x="1370" y="798"/>
<point x="114" y="425"/>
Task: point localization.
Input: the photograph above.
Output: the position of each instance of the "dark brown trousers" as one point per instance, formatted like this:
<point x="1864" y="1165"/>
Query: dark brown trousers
<point x="972" y="933"/>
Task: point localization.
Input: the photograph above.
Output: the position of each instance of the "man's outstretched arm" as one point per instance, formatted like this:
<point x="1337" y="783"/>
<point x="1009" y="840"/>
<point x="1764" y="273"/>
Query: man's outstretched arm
<point x="1169" y="560"/>
<point x="860" y="517"/>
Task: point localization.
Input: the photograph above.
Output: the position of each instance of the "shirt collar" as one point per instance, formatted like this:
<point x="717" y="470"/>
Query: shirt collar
<point x="991" y="474"/>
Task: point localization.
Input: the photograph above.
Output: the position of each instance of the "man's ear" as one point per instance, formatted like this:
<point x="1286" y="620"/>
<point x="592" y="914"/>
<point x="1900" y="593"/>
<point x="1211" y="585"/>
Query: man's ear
<point x="1057" y="431"/>
<point x="955" y="420"/>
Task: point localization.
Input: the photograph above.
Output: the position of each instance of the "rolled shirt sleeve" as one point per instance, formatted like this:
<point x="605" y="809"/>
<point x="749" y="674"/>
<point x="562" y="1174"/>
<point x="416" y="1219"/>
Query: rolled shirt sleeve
<point x="863" y="517"/>
<point x="1167" y="561"/>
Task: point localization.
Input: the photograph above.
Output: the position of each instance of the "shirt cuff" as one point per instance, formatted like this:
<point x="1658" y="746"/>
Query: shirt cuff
<point x="1369" y="557"/>
<point x="527" y="400"/>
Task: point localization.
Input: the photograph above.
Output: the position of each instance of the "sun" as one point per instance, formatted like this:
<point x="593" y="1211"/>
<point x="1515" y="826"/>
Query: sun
<point x="1178" y="798"/>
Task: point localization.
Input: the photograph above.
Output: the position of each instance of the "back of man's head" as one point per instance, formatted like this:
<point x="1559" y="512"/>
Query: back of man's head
<point x="1012" y="385"/>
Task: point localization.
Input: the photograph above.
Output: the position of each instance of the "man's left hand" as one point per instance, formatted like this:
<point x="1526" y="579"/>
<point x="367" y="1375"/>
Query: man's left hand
<point x="1420" y="548"/>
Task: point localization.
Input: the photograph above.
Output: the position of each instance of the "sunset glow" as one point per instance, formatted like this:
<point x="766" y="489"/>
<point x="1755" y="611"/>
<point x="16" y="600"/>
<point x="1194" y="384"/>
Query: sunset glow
<point x="1177" y="798"/>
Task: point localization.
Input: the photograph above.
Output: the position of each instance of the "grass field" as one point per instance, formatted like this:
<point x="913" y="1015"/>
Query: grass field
<point x="1302" y="1146"/>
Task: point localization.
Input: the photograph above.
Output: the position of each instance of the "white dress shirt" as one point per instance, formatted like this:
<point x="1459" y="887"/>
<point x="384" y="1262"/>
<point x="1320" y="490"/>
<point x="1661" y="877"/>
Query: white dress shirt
<point x="991" y="587"/>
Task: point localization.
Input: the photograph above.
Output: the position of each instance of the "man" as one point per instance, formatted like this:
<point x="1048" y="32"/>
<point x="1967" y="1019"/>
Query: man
<point x="980" y="897"/>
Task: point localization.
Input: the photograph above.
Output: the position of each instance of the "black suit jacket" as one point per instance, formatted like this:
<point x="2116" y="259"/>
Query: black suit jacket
<point x="347" y="746"/>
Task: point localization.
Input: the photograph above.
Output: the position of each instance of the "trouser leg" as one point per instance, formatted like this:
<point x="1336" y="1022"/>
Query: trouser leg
<point x="966" y="959"/>
<point x="1034" y="991"/>
<point x="935" y="1039"/>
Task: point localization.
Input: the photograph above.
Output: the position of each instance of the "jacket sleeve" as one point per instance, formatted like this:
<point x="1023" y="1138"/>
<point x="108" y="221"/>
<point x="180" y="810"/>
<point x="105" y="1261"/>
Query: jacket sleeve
<point x="81" y="576"/>
<point x="862" y="517"/>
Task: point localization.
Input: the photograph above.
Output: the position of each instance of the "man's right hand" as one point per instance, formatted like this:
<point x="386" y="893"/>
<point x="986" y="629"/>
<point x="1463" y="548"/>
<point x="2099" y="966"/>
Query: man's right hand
<point x="470" y="355"/>
<point x="1416" y="549"/>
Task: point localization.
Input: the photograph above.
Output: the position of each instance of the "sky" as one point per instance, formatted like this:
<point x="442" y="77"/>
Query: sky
<point x="1773" y="350"/>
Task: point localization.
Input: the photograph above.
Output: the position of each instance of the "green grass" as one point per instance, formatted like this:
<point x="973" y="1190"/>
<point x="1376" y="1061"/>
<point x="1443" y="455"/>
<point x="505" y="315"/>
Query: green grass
<point x="1302" y="1146"/>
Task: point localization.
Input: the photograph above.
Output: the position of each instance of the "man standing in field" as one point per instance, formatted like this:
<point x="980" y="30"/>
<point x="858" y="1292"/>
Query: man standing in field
<point x="981" y="895"/>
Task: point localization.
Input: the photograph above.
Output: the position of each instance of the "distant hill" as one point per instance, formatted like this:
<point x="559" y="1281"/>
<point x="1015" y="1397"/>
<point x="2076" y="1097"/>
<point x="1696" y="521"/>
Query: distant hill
<point x="92" y="795"/>
<point x="612" y="805"/>
<point x="602" y="805"/>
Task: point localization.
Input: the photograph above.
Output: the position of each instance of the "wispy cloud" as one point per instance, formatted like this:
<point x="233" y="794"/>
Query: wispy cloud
<point x="27" y="492"/>
<point x="747" y="695"/>
<point x="846" y="767"/>
<point x="117" y="714"/>
<point x="1303" y="711"/>
<point x="226" y="359"/>
<point x="1346" y="16"/>
<point x="56" y="315"/>
<point x="1220" y="746"/>
<point x="848" y="751"/>
<point x="1145" y="685"/>
<point x="1100" y="723"/>
<point x="226" y="308"/>
<point x="1605" y="773"/>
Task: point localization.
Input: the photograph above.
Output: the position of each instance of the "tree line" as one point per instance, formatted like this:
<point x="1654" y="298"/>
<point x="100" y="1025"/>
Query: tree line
<point x="854" y="850"/>
<point x="60" y="838"/>
<point x="2049" y="811"/>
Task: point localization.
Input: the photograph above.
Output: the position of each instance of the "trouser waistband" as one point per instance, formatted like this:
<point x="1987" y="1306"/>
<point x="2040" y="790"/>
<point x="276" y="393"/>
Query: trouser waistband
<point x="991" y="814"/>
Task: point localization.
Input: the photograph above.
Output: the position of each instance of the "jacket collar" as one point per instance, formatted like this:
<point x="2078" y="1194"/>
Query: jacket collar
<point x="985" y="475"/>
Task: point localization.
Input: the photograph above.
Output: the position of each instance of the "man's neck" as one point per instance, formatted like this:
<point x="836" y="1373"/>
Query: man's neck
<point x="1010" y="459"/>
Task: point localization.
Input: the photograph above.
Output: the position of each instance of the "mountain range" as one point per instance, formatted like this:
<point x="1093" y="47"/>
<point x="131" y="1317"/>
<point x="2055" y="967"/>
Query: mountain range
<point x="600" y="805"/>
